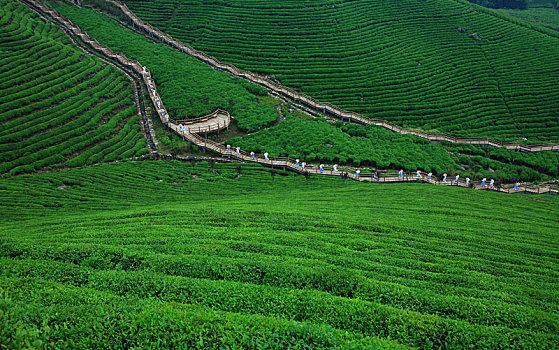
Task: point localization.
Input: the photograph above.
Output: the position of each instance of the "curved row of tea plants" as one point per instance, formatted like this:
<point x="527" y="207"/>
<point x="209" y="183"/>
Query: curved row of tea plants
<point x="403" y="61"/>
<point x="425" y="266"/>
<point x="58" y="106"/>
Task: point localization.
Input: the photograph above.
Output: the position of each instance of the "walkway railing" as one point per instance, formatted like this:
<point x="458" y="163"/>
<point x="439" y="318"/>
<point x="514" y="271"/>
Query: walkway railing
<point x="311" y="102"/>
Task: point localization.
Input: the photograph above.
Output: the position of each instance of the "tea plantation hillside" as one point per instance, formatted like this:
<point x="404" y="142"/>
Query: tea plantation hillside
<point x="450" y="65"/>
<point x="193" y="88"/>
<point x="163" y="254"/>
<point x="58" y="105"/>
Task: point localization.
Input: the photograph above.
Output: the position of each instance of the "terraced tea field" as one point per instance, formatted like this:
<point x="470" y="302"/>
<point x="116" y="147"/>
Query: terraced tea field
<point x="310" y="140"/>
<point x="403" y="61"/>
<point x="191" y="255"/>
<point x="58" y="105"/>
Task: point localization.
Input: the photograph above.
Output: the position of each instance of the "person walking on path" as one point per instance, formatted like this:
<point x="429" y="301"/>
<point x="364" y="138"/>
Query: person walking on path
<point x="228" y="148"/>
<point x="321" y="167"/>
<point x="483" y="181"/>
<point x="266" y="156"/>
<point x="419" y="175"/>
<point x="491" y="183"/>
<point x="401" y="174"/>
<point x="456" y="179"/>
<point x="516" y="186"/>
<point x="238" y="150"/>
<point x="252" y="155"/>
<point x="444" y="178"/>
<point x="429" y="176"/>
<point x="467" y="181"/>
<point x="303" y="165"/>
<point x="357" y="174"/>
<point x="335" y="168"/>
<point x="297" y="163"/>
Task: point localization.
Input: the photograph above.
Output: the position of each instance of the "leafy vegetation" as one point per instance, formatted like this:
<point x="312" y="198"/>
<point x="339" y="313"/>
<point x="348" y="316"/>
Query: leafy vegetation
<point x="445" y="65"/>
<point x="189" y="87"/>
<point x="541" y="12"/>
<point x="141" y="254"/>
<point x="59" y="106"/>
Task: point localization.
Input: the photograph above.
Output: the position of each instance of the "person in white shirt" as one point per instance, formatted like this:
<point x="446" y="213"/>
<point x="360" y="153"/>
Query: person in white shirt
<point x="238" y="150"/>
<point x="456" y="179"/>
<point x="419" y="174"/>
<point x="444" y="178"/>
<point x="266" y="156"/>
<point x="335" y="167"/>
<point x="467" y="181"/>
<point x="491" y="183"/>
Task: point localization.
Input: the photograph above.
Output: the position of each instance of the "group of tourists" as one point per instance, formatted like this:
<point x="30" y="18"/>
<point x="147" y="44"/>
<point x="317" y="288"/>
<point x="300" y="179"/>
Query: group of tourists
<point x="429" y="177"/>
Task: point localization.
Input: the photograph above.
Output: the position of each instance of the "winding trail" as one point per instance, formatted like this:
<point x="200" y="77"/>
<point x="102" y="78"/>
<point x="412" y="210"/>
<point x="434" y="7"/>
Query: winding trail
<point x="303" y="99"/>
<point x="220" y="119"/>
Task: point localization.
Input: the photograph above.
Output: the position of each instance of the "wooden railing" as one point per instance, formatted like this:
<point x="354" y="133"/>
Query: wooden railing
<point x="311" y="102"/>
<point x="188" y="132"/>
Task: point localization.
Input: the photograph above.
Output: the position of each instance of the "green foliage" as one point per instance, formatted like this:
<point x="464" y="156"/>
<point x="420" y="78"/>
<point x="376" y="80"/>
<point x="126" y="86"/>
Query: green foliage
<point x="185" y="84"/>
<point x="163" y="254"/>
<point x="509" y="4"/>
<point x="58" y="107"/>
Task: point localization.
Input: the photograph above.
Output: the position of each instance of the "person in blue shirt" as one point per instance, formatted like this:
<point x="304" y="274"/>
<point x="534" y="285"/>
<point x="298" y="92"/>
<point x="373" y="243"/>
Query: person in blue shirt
<point x="228" y="148"/>
<point x="401" y="174"/>
<point x="296" y="162"/>
<point x="321" y="167"/>
<point x="456" y="179"/>
<point x="429" y="176"/>
<point x="483" y="181"/>
<point x="516" y="186"/>
<point x="252" y="155"/>
<point x="357" y="174"/>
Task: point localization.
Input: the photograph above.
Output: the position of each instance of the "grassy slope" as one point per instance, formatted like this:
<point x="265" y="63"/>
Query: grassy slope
<point x="59" y="106"/>
<point x="140" y="253"/>
<point x="404" y="61"/>
<point x="366" y="146"/>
